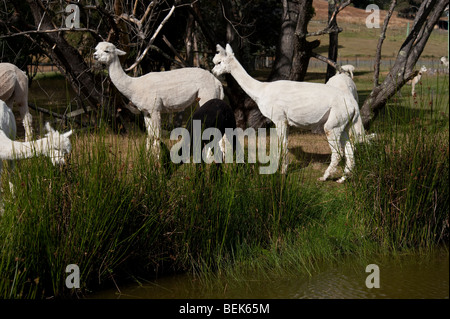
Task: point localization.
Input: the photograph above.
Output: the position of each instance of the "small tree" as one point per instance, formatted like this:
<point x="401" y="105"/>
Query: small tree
<point x="403" y="70"/>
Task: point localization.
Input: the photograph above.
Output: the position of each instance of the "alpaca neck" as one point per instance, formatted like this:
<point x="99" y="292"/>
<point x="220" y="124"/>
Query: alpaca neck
<point x="118" y="76"/>
<point x="22" y="150"/>
<point x="251" y="86"/>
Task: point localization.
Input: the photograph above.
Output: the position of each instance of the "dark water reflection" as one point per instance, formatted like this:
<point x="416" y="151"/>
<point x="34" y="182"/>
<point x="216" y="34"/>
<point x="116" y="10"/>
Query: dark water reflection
<point x="405" y="277"/>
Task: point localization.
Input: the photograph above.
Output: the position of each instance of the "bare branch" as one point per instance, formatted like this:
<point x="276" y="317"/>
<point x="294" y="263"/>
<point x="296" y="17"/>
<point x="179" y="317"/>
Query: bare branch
<point x="337" y="9"/>
<point x="326" y="60"/>
<point x="147" y="11"/>
<point x="53" y="114"/>
<point x="94" y="32"/>
<point x="166" y="56"/>
<point x="143" y="54"/>
<point x="324" y="31"/>
<point x="376" y="74"/>
<point x="131" y="18"/>
<point x="167" y="42"/>
<point x="135" y="7"/>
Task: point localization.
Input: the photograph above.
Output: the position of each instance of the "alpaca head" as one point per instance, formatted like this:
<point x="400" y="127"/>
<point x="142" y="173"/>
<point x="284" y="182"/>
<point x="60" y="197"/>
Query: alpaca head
<point x="222" y="60"/>
<point x="59" y="144"/>
<point x="106" y="52"/>
<point x="423" y="69"/>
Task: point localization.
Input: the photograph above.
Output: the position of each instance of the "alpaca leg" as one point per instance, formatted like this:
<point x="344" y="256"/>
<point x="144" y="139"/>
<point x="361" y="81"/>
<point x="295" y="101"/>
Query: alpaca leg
<point x="21" y="99"/>
<point x="349" y="156"/>
<point x="27" y="124"/>
<point x="333" y="137"/>
<point x="282" y="133"/>
<point x="209" y="155"/>
<point x="11" y="165"/>
<point x="153" y="125"/>
<point x="223" y="147"/>
<point x="227" y="149"/>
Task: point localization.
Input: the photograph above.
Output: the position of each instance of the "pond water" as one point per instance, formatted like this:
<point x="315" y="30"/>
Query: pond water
<point x="400" y="277"/>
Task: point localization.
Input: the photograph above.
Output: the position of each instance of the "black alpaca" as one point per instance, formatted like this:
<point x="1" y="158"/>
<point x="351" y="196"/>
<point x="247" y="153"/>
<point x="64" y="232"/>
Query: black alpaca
<point x="213" y="114"/>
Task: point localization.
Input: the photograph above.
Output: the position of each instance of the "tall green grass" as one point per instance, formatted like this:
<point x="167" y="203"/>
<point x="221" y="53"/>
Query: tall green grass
<point x="401" y="181"/>
<point x="117" y="213"/>
<point x="87" y="213"/>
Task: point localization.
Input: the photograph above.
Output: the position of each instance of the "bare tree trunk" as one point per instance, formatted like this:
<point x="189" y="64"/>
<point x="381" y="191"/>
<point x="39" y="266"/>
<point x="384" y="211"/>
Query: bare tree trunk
<point x="245" y="109"/>
<point x="333" y="39"/>
<point x="403" y="70"/>
<point x="303" y="48"/>
<point x="376" y="73"/>
<point x="281" y="68"/>
<point x="291" y="62"/>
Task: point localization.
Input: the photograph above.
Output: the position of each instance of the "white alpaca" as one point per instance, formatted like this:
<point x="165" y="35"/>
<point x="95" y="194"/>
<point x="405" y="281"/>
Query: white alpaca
<point x="344" y="83"/>
<point x="54" y="145"/>
<point x="301" y="104"/>
<point x="14" y="88"/>
<point x="444" y="61"/>
<point x="416" y="79"/>
<point x="159" y="92"/>
<point x="348" y="68"/>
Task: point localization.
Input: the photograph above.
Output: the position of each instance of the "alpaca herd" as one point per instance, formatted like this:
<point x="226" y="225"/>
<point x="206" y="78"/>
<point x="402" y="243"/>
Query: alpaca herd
<point x="332" y="106"/>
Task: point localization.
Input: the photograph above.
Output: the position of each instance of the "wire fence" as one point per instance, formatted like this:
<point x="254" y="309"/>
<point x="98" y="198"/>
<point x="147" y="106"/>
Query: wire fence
<point x="360" y="63"/>
<point x="365" y="64"/>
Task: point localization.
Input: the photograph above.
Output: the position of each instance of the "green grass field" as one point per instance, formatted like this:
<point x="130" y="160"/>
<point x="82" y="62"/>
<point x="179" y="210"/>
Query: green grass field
<point x="358" y="41"/>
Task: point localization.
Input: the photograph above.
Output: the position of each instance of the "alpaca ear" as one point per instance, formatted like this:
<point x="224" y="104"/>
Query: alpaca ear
<point x="67" y="134"/>
<point x="48" y="127"/>
<point x="220" y="49"/>
<point x="120" y="52"/>
<point x="229" y="49"/>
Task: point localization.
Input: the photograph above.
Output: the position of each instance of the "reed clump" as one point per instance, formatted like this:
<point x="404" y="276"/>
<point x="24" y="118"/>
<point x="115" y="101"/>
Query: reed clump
<point x="401" y="181"/>
<point x="117" y="213"/>
<point x="86" y="213"/>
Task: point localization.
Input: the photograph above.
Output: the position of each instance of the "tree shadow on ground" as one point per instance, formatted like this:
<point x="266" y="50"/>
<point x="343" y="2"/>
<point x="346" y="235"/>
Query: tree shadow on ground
<point x="304" y="159"/>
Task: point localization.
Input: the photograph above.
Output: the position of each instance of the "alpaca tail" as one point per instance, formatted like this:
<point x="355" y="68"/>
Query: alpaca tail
<point x="357" y="132"/>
